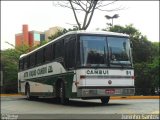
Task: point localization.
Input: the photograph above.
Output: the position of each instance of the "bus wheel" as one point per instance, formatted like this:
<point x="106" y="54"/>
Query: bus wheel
<point x="105" y="100"/>
<point x="28" y="95"/>
<point x="63" y="99"/>
<point x="28" y="92"/>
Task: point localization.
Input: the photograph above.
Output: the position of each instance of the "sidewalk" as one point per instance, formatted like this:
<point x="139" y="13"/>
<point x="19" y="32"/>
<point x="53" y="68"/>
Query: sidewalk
<point x="113" y="97"/>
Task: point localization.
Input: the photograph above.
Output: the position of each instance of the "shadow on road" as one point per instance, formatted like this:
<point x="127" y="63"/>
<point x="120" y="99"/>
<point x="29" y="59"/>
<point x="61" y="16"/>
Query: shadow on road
<point x="76" y="103"/>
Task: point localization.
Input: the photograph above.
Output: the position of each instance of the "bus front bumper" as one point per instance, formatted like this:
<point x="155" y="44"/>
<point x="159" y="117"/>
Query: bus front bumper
<point x="85" y="92"/>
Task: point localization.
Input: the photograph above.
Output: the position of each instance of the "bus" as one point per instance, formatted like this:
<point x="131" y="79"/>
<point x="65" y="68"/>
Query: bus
<point x="79" y="64"/>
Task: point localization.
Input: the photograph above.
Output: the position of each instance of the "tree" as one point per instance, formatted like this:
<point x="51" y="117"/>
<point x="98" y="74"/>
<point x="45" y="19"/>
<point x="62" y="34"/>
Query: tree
<point x="88" y="8"/>
<point x="21" y="49"/>
<point x="9" y="63"/>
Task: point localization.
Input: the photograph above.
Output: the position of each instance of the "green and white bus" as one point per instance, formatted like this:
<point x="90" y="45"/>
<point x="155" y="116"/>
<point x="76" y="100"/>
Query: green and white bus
<point x="79" y="64"/>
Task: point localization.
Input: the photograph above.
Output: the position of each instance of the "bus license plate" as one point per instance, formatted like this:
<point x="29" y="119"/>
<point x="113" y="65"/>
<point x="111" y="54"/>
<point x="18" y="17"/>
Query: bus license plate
<point x="110" y="91"/>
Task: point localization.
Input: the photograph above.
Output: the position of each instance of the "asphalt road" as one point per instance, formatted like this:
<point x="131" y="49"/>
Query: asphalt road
<point x="46" y="108"/>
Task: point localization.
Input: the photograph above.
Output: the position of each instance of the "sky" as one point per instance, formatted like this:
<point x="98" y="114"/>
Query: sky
<point x="41" y="15"/>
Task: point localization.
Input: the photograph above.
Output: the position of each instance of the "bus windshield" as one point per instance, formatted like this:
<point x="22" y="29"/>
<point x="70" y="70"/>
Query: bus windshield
<point x="101" y="51"/>
<point x="119" y="51"/>
<point x="93" y="50"/>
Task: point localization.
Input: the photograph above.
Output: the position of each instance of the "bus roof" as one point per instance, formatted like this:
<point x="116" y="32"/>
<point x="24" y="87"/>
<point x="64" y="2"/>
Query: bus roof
<point x="99" y="32"/>
<point x="78" y="32"/>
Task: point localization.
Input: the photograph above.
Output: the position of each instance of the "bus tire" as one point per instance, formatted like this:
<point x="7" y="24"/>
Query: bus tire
<point x="63" y="99"/>
<point x="28" y="94"/>
<point x="105" y="100"/>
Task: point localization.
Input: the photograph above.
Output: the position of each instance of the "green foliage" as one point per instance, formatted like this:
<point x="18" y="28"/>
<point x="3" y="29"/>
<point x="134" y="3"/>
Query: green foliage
<point x="43" y="42"/>
<point x="9" y="62"/>
<point x="155" y="49"/>
<point x="154" y="71"/>
<point x="147" y="77"/>
<point x="59" y="33"/>
<point x="22" y="49"/>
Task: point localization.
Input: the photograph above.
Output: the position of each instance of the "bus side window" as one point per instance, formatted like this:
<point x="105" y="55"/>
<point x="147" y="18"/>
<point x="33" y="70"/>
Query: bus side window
<point x="25" y="63"/>
<point x="40" y="56"/>
<point x="43" y="56"/>
<point x="28" y="61"/>
<point x="59" y="49"/>
<point x="32" y="60"/>
<point x="56" y="51"/>
<point x="21" y="65"/>
<point x="35" y="58"/>
<point x="70" y="52"/>
<point x="48" y="53"/>
<point x="53" y="51"/>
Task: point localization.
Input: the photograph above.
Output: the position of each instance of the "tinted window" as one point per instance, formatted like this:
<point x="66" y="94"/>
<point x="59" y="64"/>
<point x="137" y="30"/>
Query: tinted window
<point x="40" y="56"/>
<point x="53" y="51"/>
<point x="28" y="61"/>
<point x="32" y="60"/>
<point x="78" y="61"/>
<point x="119" y="49"/>
<point x="93" y="50"/>
<point x="48" y="53"/>
<point x="21" y="64"/>
<point x="59" y="49"/>
<point x="25" y="63"/>
<point x="70" y="52"/>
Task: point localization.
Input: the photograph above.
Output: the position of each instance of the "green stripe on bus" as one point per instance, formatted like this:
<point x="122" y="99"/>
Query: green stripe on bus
<point x="52" y="79"/>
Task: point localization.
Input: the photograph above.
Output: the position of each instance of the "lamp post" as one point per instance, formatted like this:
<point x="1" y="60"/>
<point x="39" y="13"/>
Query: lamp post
<point x="112" y="17"/>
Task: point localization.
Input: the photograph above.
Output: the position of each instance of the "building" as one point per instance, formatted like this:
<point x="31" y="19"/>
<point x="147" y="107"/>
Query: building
<point x="29" y="38"/>
<point x="52" y="31"/>
<point x="33" y="38"/>
<point x="36" y="37"/>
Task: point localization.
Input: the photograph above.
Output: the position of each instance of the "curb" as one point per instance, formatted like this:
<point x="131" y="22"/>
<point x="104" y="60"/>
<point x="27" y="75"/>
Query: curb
<point x="10" y="95"/>
<point x="113" y="97"/>
<point x="135" y="97"/>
